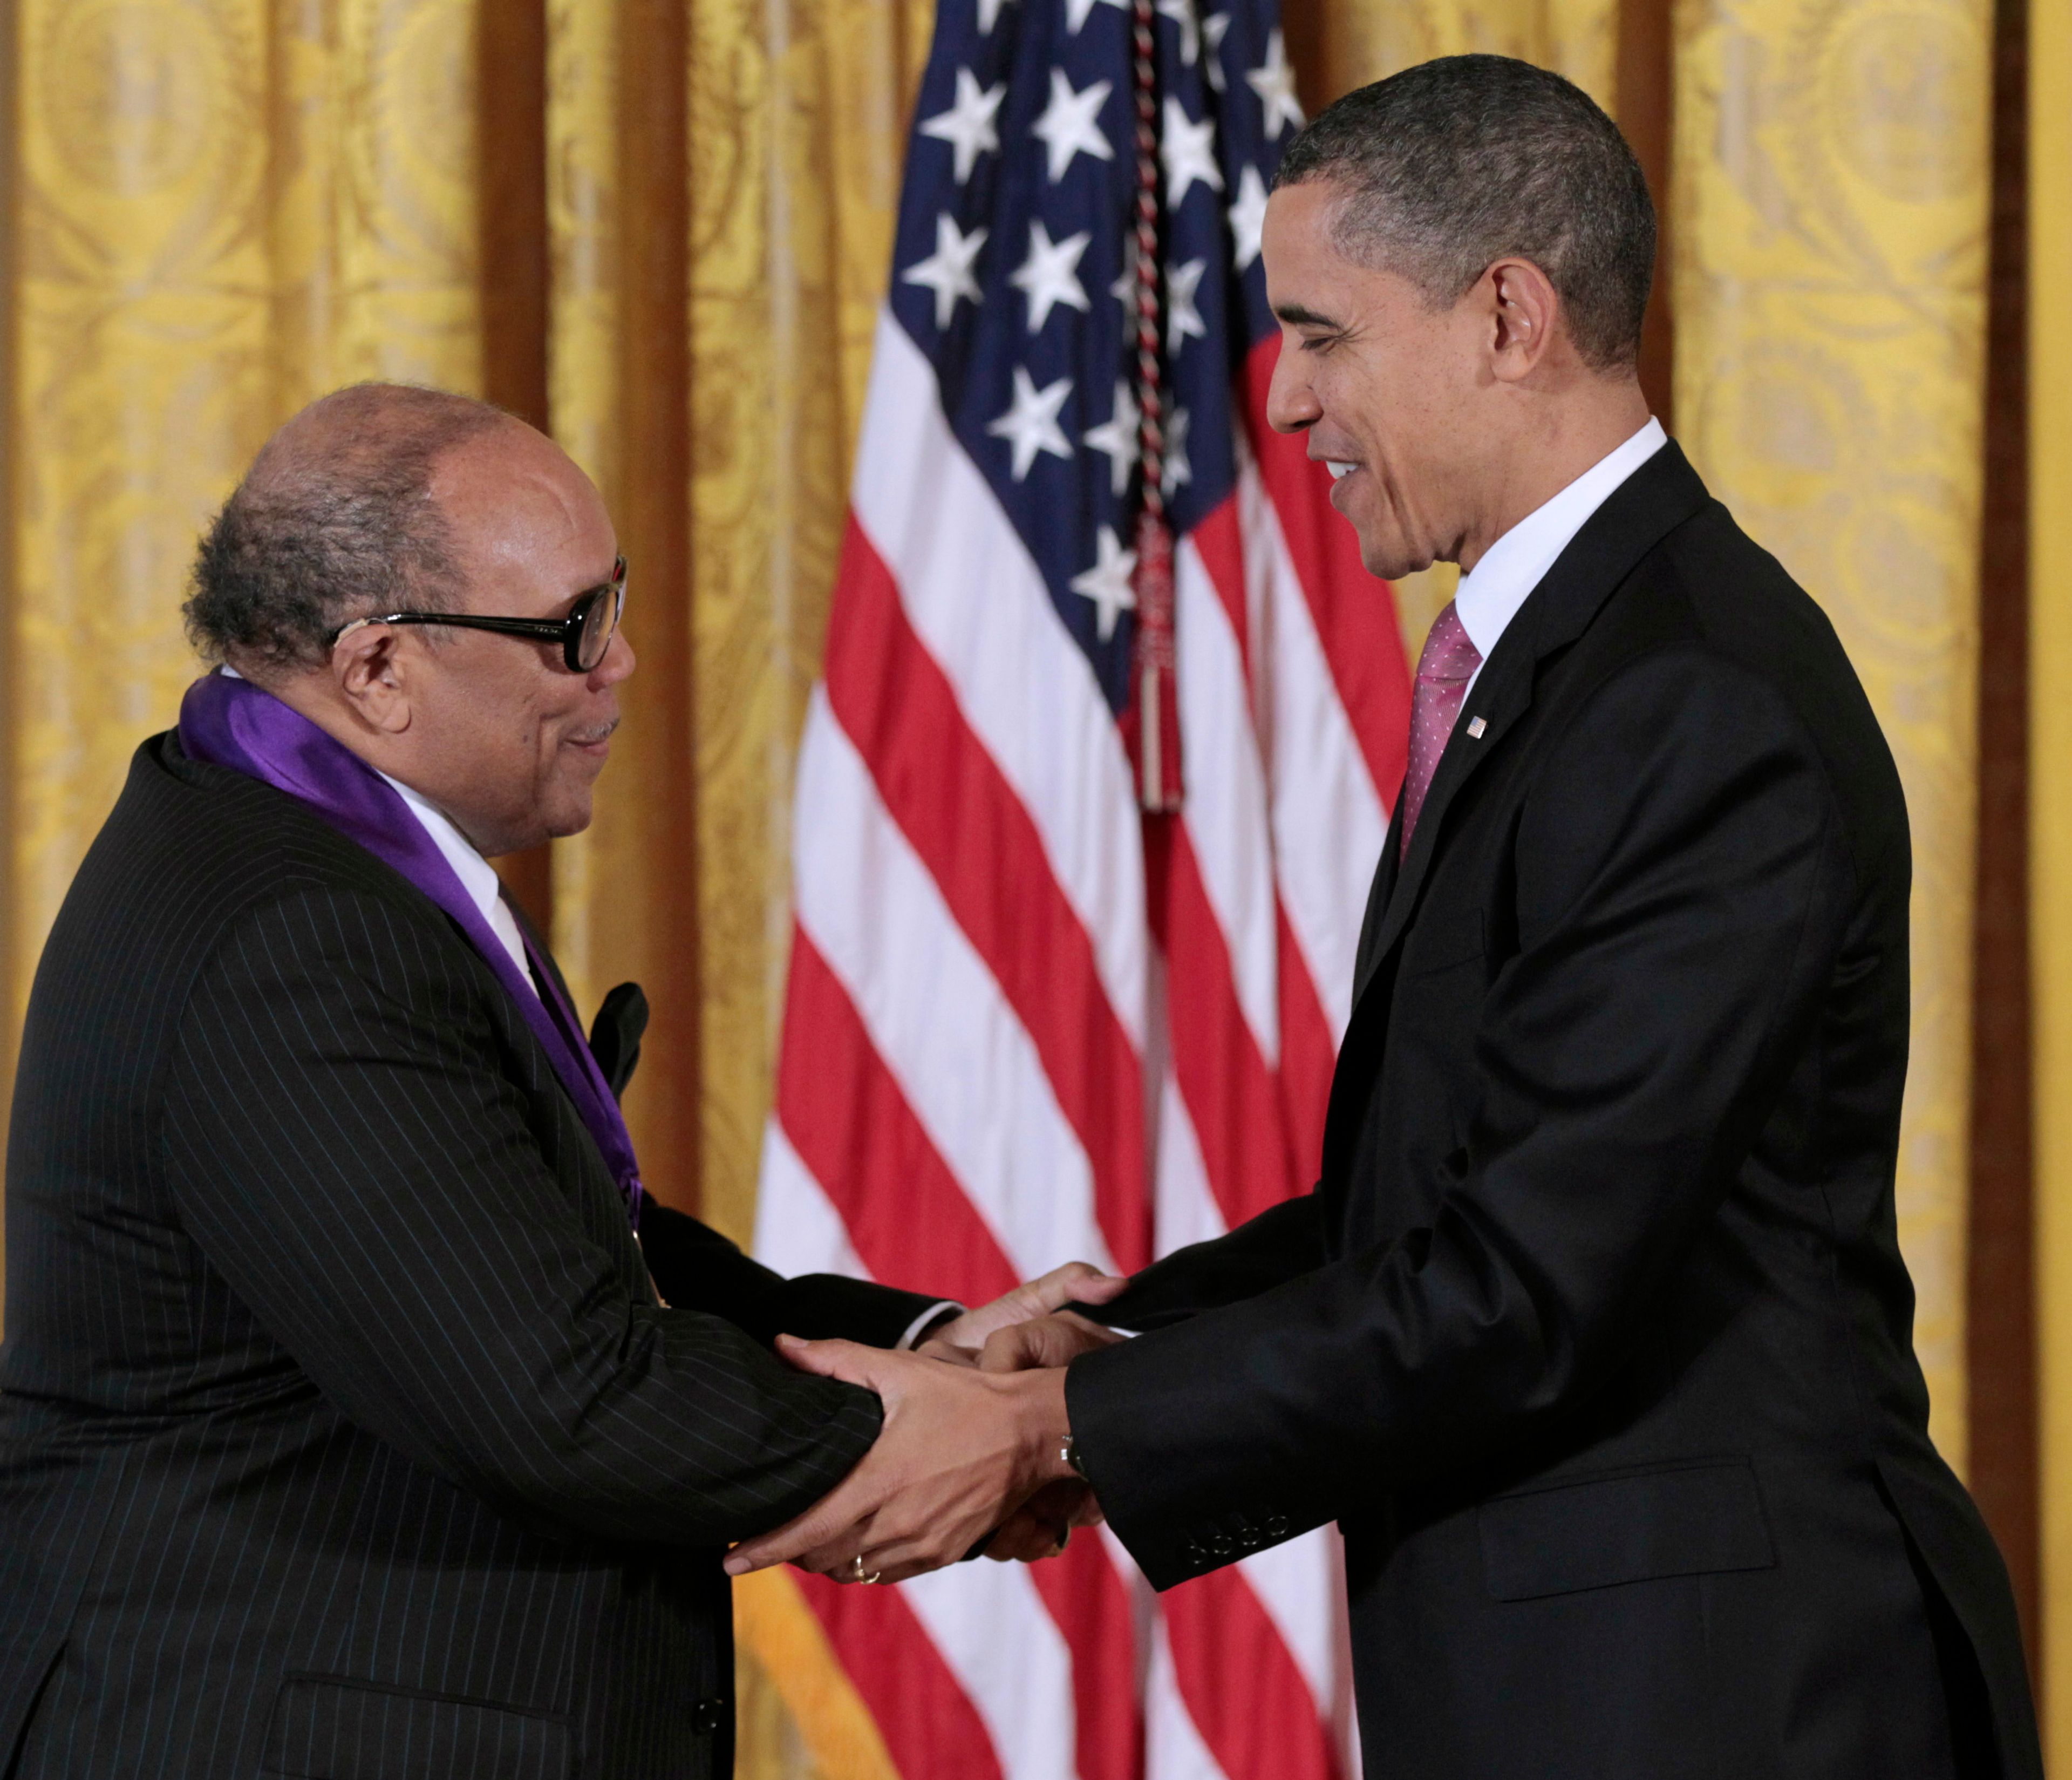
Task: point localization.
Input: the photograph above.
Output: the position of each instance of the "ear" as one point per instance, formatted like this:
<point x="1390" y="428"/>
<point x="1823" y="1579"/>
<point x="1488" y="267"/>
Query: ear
<point x="1523" y="309"/>
<point x="372" y="670"/>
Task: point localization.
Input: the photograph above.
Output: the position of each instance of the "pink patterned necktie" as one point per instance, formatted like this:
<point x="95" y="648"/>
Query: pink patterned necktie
<point x="1448" y="663"/>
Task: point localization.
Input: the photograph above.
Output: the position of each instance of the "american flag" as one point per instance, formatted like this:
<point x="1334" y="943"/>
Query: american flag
<point x="1028" y="1021"/>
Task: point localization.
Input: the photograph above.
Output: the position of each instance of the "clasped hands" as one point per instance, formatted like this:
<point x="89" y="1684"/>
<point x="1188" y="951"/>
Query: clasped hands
<point x="971" y="1447"/>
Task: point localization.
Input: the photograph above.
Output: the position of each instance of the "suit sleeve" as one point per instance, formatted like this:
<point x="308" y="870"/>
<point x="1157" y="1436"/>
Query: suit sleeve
<point x="697" y="1268"/>
<point x="1680" y="883"/>
<point x="335" y="1057"/>
<point x="1280" y="1244"/>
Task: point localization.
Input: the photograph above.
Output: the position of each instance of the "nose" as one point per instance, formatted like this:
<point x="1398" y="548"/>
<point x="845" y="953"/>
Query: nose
<point x="1292" y="406"/>
<point x="618" y="664"/>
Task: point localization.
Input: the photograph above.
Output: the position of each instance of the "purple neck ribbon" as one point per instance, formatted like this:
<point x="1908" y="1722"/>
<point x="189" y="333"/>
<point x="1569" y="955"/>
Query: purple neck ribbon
<point x="232" y="722"/>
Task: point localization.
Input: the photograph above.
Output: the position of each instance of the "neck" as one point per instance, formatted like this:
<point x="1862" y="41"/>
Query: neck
<point x="312" y="695"/>
<point x="1541" y="457"/>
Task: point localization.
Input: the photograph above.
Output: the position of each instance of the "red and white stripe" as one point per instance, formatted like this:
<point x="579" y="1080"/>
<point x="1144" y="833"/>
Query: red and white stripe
<point x="1025" y="1025"/>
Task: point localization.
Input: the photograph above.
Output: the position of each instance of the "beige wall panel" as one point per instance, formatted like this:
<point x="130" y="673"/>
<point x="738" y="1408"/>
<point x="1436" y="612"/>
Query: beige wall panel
<point x="1830" y="200"/>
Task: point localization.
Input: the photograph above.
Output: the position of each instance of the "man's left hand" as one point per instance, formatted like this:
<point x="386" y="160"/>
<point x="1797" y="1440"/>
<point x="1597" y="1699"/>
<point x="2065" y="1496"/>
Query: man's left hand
<point x="1077" y="1281"/>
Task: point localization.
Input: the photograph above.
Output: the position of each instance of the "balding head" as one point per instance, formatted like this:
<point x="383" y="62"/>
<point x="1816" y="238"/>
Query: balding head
<point x="383" y="499"/>
<point x="334" y="520"/>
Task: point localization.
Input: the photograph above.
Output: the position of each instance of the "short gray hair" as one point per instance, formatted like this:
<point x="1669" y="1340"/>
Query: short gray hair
<point x="334" y="520"/>
<point x="1457" y="163"/>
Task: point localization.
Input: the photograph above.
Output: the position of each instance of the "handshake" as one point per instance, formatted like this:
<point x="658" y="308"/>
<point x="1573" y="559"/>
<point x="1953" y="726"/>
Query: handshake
<point x="975" y="1446"/>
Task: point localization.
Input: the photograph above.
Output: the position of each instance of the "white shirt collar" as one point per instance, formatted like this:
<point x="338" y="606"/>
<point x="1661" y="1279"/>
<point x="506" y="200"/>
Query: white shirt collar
<point x="1489" y="597"/>
<point x="478" y="877"/>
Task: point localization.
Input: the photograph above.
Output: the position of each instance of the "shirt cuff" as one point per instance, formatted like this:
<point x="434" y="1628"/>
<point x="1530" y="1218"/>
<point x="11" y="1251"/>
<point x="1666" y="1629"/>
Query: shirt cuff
<point x="941" y="1311"/>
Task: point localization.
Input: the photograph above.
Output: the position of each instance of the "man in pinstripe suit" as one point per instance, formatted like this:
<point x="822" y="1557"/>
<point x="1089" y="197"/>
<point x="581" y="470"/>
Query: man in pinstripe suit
<point x="346" y="1426"/>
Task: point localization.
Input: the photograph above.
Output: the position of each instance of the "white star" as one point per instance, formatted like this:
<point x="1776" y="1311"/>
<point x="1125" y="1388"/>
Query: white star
<point x="1107" y="583"/>
<point x="1248" y="215"/>
<point x="1181" y="13"/>
<point x="1050" y="273"/>
<point x="989" y="15"/>
<point x="1213" y="29"/>
<point x="1117" y="438"/>
<point x="1031" y="424"/>
<point x="1069" y="124"/>
<point x="1176" y="469"/>
<point x="1183" y="320"/>
<point x="1190" y="151"/>
<point x="967" y="125"/>
<point x="947" y="271"/>
<point x="1076" y="12"/>
<point x="1275" y="84"/>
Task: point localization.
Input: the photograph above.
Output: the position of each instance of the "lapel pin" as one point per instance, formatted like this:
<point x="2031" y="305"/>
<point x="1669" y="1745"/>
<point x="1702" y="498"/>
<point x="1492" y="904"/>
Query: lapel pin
<point x="1476" y="726"/>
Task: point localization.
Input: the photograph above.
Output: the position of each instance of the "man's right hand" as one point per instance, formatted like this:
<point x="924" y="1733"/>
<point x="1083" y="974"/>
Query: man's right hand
<point x="1055" y="1340"/>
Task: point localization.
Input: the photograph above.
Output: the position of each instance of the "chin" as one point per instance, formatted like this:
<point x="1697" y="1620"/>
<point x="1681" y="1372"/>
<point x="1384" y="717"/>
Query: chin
<point x="569" y="816"/>
<point x="1392" y="559"/>
<point x="1385" y="551"/>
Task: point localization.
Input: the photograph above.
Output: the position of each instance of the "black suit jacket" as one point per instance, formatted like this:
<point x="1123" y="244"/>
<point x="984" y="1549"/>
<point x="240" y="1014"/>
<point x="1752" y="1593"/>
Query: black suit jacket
<point x="1595" y="1336"/>
<point x="340" y="1432"/>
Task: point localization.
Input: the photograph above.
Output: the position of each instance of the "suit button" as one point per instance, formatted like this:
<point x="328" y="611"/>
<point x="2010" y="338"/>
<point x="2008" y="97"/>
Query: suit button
<point x="1276" y="1526"/>
<point x="708" y="1717"/>
<point x="1219" y="1545"/>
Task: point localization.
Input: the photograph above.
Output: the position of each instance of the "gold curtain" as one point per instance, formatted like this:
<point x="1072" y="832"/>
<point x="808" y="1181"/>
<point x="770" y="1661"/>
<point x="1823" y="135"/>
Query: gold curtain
<point x="768" y="190"/>
<point x="797" y="124"/>
<point x="2050" y="832"/>
<point x="1830" y="197"/>
<point x="219" y="208"/>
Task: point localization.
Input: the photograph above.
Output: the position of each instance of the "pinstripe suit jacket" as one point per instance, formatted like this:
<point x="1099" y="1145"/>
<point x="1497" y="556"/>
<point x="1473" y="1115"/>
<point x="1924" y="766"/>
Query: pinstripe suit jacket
<point x="340" y="1435"/>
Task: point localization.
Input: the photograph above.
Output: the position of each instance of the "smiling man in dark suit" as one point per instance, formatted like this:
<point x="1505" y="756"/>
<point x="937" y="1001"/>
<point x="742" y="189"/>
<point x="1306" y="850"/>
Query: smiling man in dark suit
<point x="1595" y="1337"/>
<point x="361" y="1414"/>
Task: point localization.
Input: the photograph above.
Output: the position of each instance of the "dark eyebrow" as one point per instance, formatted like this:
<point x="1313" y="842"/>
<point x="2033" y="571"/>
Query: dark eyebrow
<point x="1296" y="316"/>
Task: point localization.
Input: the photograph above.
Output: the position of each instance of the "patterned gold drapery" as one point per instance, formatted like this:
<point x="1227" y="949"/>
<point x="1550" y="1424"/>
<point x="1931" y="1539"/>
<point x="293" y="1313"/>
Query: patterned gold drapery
<point x="798" y="117"/>
<point x="2050" y="833"/>
<point x="789" y="155"/>
<point x="797" y="120"/>
<point x="1830" y="198"/>
<point x="220" y="208"/>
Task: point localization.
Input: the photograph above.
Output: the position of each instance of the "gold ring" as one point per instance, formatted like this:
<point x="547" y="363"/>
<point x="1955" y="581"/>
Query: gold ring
<point x="857" y="1572"/>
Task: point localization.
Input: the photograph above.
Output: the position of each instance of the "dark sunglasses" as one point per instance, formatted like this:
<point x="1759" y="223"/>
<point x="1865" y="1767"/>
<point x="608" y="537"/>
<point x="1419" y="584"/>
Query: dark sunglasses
<point x="584" y="635"/>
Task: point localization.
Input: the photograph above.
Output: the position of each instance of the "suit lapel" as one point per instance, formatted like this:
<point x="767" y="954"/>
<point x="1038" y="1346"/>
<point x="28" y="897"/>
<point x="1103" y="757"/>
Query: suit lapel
<point x="1377" y="897"/>
<point x="1645" y="508"/>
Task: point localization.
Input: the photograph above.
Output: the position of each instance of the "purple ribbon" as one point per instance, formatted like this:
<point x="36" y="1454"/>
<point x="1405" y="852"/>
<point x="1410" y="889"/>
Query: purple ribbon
<point x="234" y="723"/>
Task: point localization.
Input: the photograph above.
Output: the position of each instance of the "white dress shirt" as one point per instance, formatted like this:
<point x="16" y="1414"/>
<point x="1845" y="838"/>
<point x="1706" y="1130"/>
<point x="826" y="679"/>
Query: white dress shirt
<point x="1488" y="596"/>
<point x="478" y="877"/>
